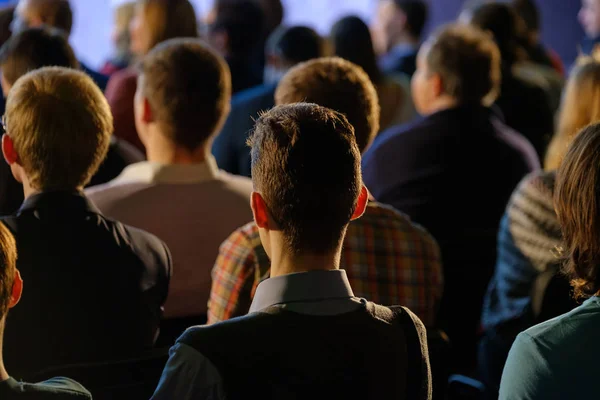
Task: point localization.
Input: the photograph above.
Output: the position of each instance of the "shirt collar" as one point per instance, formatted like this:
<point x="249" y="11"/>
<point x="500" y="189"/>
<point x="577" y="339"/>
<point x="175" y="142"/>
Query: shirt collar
<point x="58" y="200"/>
<point x="153" y="172"/>
<point x="302" y="287"/>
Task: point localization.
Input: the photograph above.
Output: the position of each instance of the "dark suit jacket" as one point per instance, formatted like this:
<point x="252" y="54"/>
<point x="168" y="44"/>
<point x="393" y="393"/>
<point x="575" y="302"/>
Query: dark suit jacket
<point x="453" y="172"/>
<point x="93" y="288"/>
<point x="230" y="148"/>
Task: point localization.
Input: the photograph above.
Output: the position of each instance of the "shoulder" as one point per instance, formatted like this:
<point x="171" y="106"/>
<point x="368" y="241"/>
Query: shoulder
<point x="397" y="138"/>
<point x="237" y="183"/>
<point x="242" y="242"/>
<point x="533" y="197"/>
<point x="257" y="94"/>
<point x="122" y="81"/>
<point x="58" y="388"/>
<point x="518" y="143"/>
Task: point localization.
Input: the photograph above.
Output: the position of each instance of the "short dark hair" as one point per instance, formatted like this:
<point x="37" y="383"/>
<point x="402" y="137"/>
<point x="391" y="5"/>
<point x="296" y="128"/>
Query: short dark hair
<point x="416" y="15"/>
<point x="35" y="48"/>
<point x="577" y="203"/>
<point x="306" y="165"/>
<point x="296" y="44"/>
<point x="273" y="12"/>
<point x="8" y="266"/>
<point x="337" y="84"/>
<point x="502" y="21"/>
<point x="243" y="21"/>
<point x="529" y="12"/>
<point x="188" y="86"/>
<point x="468" y="62"/>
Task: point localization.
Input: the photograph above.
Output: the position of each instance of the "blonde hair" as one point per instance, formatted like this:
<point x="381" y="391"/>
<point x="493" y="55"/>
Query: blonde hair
<point x="169" y="19"/>
<point x="580" y="106"/>
<point x="8" y="265"/>
<point x="60" y="124"/>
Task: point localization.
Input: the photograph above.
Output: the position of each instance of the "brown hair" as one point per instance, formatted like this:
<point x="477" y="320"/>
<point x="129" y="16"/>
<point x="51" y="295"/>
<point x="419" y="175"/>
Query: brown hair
<point x="337" y="84"/>
<point x="169" y="19"/>
<point x="577" y="203"/>
<point x="55" y="13"/>
<point x="8" y="265"/>
<point x="580" y="106"/>
<point x="188" y="86"/>
<point x="306" y="165"/>
<point x="468" y="61"/>
<point x="60" y="124"/>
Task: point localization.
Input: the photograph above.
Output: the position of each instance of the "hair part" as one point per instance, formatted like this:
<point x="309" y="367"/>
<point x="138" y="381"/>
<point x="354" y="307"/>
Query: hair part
<point x="8" y="266"/>
<point x="60" y="124"/>
<point x="306" y="165"/>
<point x="339" y="85"/>
<point x="188" y="86"/>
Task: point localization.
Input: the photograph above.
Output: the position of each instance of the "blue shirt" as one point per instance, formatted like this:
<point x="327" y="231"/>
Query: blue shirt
<point x="557" y="359"/>
<point x="190" y="375"/>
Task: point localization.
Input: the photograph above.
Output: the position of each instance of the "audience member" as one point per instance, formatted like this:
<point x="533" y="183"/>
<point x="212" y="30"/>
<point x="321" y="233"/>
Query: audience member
<point x="183" y="98"/>
<point x="286" y="47"/>
<point x="26" y="51"/>
<point x="524" y="106"/>
<point x="154" y="21"/>
<point x="54" y="13"/>
<point x="236" y="29"/>
<point x="319" y="338"/>
<point x="273" y="13"/>
<point x="397" y="33"/>
<point x="557" y="359"/>
<point x="385" y="256"/>
<point x="454" y="170"/>
<point x="589" y="18"/>
<point x="11" y="287"/>
<point x="96" y="286"/>
<point x="122" y="56"/>
<point x="352" y="41"/>
<point x="529" y="234"/>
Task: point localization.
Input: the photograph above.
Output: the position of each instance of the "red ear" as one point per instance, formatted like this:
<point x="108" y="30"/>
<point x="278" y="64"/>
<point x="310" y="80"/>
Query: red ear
<point x="17" y="290"/>
<point x="361" y="204"/>
<point x="259" y="210"/>
<point x="147" y="114"/>
<point x="8" y="149"/>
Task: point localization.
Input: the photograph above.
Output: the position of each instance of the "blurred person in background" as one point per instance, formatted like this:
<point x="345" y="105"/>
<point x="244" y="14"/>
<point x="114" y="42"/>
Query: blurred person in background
<point x="236" y="30"/>
<point x="352" y="41"/>
<point x="524" y="106"/>
<point x="57" y="14"/>
<point x="121" y="38"/>
<point x="154" y="21"/>
<point x="286" y="47"/>
<point x="529" y="236"/>
<point x="35" y="48"/>
<point x="589" y="18"/>
<point x="397" y="32"/>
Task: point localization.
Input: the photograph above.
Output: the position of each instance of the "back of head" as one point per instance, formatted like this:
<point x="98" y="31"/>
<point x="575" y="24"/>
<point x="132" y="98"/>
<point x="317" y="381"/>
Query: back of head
<point x="34" y="48"/>
<point x="55" y="13"/>
<point x="502" y="21"/>
<point x="295" y="44"/>
<point x="580" y="106"/>
<point x="168" y="19"/>
<point x="60" y="124"/>
<point x="416" y="15"/>
<point x="577" y="203"/>
<point x="188" y="87"/>
<point x="468" y="62"/>
<point x="6" y="18"/>
<point x="8" y="263"/>
<point x="273" y="12"/>
<point x="336" y="84"/>
<point x="352" y="41"/>
<point x="243" y="23"/>
<point x="529" y="13"/>
<point x="306" y="165"/>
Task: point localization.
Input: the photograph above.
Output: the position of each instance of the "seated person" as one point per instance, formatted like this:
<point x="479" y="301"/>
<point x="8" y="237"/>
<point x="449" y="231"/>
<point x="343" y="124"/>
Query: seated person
<point x="179" y="194"/>
<point x="11" y="287"/>
<point x="397" y="32"/>
<point x="454" y="170"/>
<point x="53" y="13"/>
<point x="121" y="57"/>
<point x="386" y="257"/>
<point x="285" y="48"/>
<point x="529" y="236"/>
<point x="557" y="359"/>
<point x="96" y="286"/>
<point x="319" y="339"/>
<point x="31" y="49"/>
<point x="589" y="18"/>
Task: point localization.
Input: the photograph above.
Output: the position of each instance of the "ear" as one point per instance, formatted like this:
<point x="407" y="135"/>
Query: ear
<point x="361" y="204"/>
<point x="17" y="290"/>
<point x="147" y="114"/>
<point x="260" y="211"/>
<point x="8" y="150"/>
<point x="437" y="85"/>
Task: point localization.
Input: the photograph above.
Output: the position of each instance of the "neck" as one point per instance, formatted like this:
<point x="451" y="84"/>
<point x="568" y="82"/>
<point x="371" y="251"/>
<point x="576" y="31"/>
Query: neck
<point x="441" y="104"/>
<point x="3" y="374"/>
<point x="165" y="152"/>
<point x="405" y="39"/>
<point x="283" y="262"/>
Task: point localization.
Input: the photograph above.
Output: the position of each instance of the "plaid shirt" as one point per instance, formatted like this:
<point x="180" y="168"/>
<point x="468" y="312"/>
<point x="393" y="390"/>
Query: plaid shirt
<point x="388" y="260"/>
